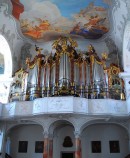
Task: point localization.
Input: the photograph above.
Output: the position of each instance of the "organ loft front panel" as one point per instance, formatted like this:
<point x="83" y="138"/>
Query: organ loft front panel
<point x="68" y="73"/>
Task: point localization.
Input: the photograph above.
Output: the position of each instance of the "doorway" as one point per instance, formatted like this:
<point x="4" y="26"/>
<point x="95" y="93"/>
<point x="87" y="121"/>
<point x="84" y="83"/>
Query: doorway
<point x="67" y="155"/>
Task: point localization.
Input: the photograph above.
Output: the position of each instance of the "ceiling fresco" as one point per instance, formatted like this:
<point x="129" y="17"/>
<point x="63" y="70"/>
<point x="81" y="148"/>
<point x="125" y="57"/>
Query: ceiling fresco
<point x="40" y="19"/>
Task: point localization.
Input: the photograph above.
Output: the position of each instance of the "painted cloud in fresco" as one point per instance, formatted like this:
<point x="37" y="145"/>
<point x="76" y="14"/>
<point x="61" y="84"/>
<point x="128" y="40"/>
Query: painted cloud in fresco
<point x="47" y="18"/>
<point x="44" y="10"/>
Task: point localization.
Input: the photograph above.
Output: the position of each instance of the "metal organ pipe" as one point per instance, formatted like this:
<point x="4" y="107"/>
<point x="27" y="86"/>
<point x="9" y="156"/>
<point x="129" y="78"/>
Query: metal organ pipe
<point x="76" y="73"/>
<point x="64" y="69"/>
<point x="53" y="74"/>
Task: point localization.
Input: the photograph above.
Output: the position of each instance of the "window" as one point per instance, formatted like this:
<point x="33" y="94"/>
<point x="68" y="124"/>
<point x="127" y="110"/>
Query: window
<point x="5" y="69"/>
<point x="5" y="57"/>
<point x="1" y="64"/>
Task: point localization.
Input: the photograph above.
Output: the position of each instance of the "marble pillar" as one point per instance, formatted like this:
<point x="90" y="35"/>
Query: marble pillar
<point x="46" y="146"/>
<point x="50" y="148"/>
<point x="78" y="153"/>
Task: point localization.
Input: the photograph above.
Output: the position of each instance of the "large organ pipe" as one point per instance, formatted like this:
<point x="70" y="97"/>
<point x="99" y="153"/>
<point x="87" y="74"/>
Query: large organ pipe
<point x="53" y="76"/>
<point x="72" y="72"/>
<point x="43" y="76"/>
<point x="98" y="73"/>
<point x="82" y="74"/>
<point x="76" y="73"/>
<point x="61" y="67"/>
<point x="47" y="76"/>
<point x="42" y="81"/>
<point x="57" y="72"/>
<point x="64" y="69"/>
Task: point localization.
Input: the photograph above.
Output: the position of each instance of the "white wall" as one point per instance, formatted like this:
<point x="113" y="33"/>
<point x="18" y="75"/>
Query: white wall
<point x="30" y="133"/>
<point x="104" y="133"/>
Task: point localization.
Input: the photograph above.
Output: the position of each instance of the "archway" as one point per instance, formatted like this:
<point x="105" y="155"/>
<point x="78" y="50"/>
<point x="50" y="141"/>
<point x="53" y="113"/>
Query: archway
<point x="63" y="139"/>
<point x="26" y="140"/>
<point x="6" y="52"/>
<point x="104" y="140"/>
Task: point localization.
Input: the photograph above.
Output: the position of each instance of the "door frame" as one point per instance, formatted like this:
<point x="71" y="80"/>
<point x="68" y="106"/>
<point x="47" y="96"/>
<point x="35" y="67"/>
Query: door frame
<point x="67" y="152"/>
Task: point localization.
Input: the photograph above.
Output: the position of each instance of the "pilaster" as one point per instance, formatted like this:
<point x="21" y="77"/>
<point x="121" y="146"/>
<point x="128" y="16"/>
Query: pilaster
<point x="126" y="77"/>
<point x="46" y="144"/>
<point x="78" y="152"/>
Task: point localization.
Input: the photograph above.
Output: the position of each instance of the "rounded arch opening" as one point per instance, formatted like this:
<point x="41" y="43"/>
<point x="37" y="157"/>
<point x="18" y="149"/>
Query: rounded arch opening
<point x="24" y="139"/>
<point x="63" y="137"/>
<point x="110" y="140"/>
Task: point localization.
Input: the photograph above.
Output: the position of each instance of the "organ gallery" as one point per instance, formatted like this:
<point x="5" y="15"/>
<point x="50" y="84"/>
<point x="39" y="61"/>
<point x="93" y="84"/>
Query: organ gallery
<point x="67" y="72"/>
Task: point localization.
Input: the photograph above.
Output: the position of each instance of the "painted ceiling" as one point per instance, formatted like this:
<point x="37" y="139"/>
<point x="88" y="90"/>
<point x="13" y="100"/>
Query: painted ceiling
<point x="42" y="19"/>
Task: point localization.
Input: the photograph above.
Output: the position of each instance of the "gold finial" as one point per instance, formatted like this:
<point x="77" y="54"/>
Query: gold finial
<point x="104" y="56"/>
<point x="122" y="96"/>
<point x="91" y="48"/>
<point x="27" y="61"/>
<point x="38" y="50"/>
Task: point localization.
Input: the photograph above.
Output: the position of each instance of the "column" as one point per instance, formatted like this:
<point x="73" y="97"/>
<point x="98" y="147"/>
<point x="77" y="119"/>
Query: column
<point x="8" y="143"/>
<point x="78" y="153"/>
<point x="51" y="147"/>
<point x="46" y="145"/>
<point x="127" y="137"/>
<point x="129" y="143"/>
<point x="126" y="77"/>
<point x="3" y="135"/>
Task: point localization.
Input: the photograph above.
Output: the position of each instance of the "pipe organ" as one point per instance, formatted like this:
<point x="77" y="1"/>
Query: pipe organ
<point x="67" y="73"/>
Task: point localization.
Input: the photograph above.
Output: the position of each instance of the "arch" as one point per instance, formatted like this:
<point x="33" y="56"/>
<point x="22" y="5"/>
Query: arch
<point x="105" y="134"/>
<point x="22" y="123"/>
<point x="59" y="124"/>
<point x="61" y="129"/>
<point x="6" y="52"/>
<point x="84" y="126"/>
<point x="29" y="133"/>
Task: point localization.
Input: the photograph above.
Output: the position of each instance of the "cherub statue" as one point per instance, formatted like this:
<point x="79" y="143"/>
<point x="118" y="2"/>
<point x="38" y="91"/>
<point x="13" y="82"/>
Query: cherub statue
<point x="91" y="49"/>
<point x="38" y="50"/>
<point x="27" y="61"/>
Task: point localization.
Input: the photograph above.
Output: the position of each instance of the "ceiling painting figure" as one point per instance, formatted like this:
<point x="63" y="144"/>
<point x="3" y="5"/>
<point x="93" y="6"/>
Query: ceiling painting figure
<point x="49" y="18"/>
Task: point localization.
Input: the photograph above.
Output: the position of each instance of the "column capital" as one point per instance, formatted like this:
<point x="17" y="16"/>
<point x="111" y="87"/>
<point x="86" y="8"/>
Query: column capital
<point x="77" y="134"/>
<point x="45" y="134"/>
<point x="124" y="75"/>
